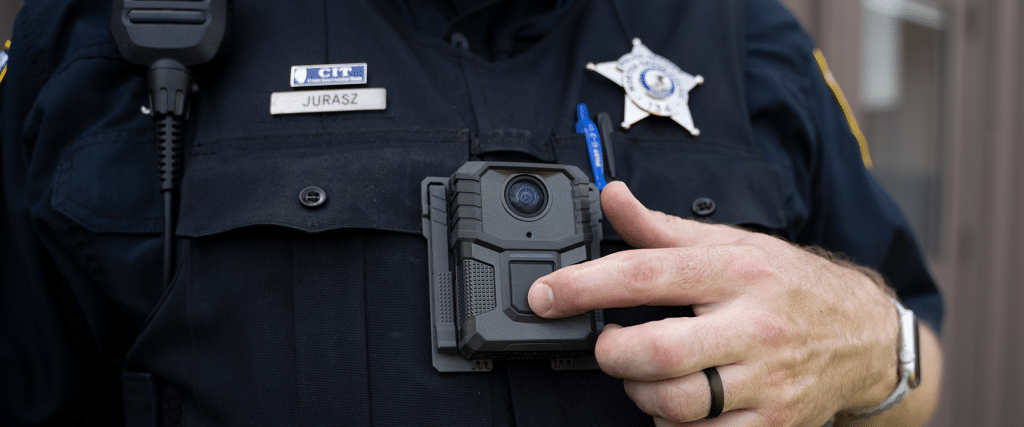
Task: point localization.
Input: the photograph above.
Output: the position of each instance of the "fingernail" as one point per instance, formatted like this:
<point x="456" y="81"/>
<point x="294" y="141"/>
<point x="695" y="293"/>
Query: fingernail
<point x="541" y="299"/>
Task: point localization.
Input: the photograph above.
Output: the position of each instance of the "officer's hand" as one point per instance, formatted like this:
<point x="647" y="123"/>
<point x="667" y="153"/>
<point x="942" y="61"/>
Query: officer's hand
<point x="796" y="337"/>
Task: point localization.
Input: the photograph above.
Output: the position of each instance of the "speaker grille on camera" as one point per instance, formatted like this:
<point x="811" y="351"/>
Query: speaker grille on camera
<point x="476" y="288"/>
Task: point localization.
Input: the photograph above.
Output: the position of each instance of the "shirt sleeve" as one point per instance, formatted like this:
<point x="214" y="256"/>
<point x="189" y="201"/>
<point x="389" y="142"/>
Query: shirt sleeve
<point x="61" y="335"/>
<point x="832" y="200"/>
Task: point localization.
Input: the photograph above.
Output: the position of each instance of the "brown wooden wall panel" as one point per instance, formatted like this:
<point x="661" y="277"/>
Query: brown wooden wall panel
<point x="984" y="339"/>
<point x="981" y="262"/>
<point x="8" y="9"/>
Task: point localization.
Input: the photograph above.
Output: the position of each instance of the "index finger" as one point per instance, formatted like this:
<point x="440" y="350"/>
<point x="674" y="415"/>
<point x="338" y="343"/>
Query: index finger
<point x="644" y="228"/>
<point x="662" y="277"/>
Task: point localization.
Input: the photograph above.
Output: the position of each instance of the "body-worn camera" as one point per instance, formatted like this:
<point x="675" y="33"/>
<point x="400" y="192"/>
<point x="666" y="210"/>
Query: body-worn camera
<point x="493" y="229"/>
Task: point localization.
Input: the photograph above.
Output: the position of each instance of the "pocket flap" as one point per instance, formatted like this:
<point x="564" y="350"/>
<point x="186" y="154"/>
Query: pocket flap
<point x="367" y="181"/>
<point x="712" y="182"/>
<point x="108" y="183"/>
<point x="717" y="189"/>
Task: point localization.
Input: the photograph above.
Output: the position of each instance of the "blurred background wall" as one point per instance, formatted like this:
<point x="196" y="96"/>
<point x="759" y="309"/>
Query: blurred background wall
<point x="937" y="86"/>
<point x="8" y="8"/>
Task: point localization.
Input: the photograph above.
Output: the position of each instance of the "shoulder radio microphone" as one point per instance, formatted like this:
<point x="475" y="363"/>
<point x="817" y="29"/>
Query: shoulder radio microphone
<point x="169" y="37"/>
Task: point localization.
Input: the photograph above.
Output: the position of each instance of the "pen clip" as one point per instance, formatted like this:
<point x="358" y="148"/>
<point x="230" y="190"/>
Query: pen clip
<point x="587" y="127"/>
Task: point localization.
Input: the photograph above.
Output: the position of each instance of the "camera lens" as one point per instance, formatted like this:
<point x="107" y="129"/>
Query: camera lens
<point x="525" y="196"/>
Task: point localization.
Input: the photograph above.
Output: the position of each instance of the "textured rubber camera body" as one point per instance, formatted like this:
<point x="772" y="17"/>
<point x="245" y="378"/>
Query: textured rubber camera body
<point x="493" y="229"/>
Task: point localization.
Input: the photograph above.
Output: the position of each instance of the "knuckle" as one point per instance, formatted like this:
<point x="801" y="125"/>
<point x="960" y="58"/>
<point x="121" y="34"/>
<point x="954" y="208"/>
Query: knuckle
<point x="773" y="330"/>
<point x="750" y="265"/>
<point x="666" y="353"/>
<point x="640" y="271"/>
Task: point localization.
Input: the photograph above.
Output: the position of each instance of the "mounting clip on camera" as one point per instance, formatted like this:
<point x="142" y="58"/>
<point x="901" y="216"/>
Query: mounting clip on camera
<point x="169" y="37"/>
<point x="493" y="229"/>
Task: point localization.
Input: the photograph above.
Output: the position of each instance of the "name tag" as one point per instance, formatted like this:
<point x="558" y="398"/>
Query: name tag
<point x="325" y="101"/>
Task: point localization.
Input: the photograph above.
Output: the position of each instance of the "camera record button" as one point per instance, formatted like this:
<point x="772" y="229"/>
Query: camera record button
<point x="522" y="275"/>
<point x="312" y="197"/>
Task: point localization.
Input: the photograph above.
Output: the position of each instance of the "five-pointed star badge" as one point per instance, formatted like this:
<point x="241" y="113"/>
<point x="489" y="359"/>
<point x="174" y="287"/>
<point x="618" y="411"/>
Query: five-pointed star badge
<point x="654" y="85"/>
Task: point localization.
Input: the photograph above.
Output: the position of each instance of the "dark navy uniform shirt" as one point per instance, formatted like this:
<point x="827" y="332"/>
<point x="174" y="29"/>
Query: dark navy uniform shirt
<point x="284" y="315"/>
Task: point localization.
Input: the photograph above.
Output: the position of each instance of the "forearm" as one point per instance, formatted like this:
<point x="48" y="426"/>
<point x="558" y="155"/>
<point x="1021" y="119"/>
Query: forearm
<point x="917" y="408"/>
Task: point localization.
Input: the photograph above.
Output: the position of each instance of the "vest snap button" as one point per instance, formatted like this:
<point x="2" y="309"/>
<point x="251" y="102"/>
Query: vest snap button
<point x="312" y="197"/>
<point x="703" y="206"/>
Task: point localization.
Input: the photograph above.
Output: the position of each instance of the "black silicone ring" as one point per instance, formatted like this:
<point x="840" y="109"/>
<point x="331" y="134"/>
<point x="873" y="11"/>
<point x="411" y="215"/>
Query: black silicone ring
<point x="717" y="392"/>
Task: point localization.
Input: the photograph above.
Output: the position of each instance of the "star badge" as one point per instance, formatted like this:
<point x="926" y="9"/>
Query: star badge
<point x="654" y="85"/>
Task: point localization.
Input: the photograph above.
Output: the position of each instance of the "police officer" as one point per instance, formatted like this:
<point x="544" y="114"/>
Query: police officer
<point x="288" y="310"/>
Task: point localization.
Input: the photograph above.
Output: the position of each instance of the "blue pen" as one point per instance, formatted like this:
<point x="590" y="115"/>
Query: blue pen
<point x="587" y="127"/>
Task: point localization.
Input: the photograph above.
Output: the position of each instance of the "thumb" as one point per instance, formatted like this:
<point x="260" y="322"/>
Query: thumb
<point x="643" y="228"/>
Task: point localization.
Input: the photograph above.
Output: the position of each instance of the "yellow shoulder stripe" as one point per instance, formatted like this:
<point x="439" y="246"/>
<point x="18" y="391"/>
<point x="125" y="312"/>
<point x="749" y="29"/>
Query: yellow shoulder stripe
<point x="3" y="61"/>
<point x="845" y="105"/>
